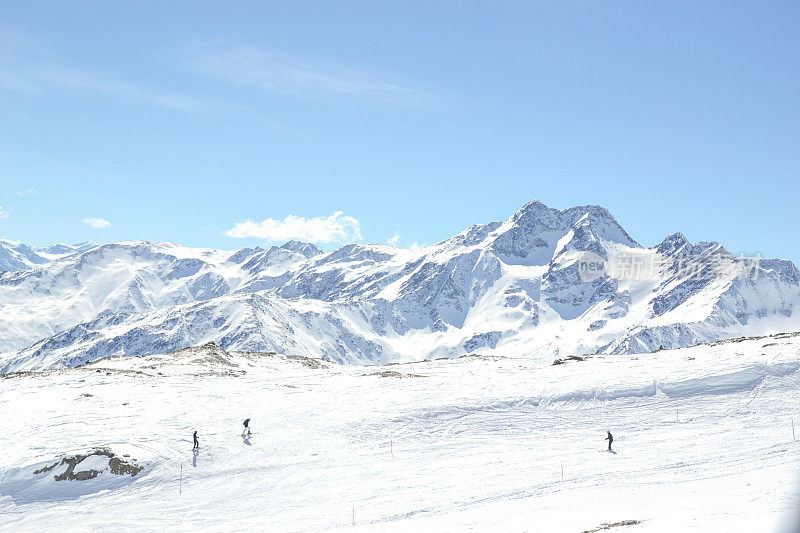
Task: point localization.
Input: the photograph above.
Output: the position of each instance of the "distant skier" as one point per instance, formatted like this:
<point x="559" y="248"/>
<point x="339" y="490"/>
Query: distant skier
<point x="246" y="430"/>
<point x="610" y="439"/>
<point x="196" y="442"/>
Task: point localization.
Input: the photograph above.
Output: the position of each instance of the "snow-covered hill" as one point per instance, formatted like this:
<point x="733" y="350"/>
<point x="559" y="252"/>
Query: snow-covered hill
<point x="703" y="441"/>
<point x="18" y="256"/>
<point x="544" y="283"/>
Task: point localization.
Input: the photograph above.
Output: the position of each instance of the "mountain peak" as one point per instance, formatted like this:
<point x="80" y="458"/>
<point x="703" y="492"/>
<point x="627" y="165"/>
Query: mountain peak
<point x="678" y="243"/>
<point x="532" y="209"/>
<point x="531" y="233"/>
<point x="61" y="249"/>
<point x="304" y="248"/>
<point x="673" y="243"/>
<point x="15" y="255"/>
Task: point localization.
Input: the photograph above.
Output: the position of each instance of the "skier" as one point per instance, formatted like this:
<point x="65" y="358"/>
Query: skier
<point x="246" y="430"/>
<point x="610" y="439"/>
<point x="196" y="442"/>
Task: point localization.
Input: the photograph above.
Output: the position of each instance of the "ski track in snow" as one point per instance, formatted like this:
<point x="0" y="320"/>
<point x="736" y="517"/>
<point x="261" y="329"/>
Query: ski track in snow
<point x="478" y="444"/>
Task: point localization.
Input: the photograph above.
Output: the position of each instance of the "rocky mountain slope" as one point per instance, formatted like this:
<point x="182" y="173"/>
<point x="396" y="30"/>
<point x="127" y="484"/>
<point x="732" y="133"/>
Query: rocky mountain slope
<point x="543" y="283"/>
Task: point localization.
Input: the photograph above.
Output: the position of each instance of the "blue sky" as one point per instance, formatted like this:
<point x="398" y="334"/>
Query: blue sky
<point x="228" y="124"/>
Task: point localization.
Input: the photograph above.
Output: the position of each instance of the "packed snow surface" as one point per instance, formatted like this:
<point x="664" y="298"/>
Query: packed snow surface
<point x="702" y="441"/>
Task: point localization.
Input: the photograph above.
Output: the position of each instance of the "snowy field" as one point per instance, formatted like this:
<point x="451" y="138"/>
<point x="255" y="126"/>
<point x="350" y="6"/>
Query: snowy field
<point x="703" y="441"/>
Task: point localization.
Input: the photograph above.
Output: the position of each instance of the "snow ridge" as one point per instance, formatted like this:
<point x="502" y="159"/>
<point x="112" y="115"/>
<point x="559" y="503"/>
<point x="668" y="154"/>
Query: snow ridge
<point x="516" y="287"/>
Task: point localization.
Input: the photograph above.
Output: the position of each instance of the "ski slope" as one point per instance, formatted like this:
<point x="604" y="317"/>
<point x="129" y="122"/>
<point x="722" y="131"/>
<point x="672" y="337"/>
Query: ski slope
<point x="703" y="441"/>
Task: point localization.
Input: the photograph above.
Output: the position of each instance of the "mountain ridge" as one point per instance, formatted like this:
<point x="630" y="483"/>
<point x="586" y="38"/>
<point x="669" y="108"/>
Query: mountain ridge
<point x="513" y="287"/>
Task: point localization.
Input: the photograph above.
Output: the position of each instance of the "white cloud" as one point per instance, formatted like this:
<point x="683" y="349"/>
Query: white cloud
<point x="97" y="223"/>
<point x="281" y="73"/>
<point x="394" y="240"/>
<point x="3" y="214"/>
<point x="333" y="228"/>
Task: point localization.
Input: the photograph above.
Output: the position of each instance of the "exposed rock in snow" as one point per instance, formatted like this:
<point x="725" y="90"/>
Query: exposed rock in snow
<point x="70" y="476"/>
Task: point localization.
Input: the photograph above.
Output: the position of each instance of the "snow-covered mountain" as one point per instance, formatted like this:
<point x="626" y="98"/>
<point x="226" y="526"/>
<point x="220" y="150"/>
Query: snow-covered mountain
<point x="15" y="255"/>
<point x="527" y="286"/>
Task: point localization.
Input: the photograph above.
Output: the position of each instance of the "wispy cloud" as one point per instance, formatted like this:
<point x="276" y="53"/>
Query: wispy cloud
<point x="286" y="74"/>
<point x="99" y="82"/>
<point x="27" y="67"/>
<point x="97" y="223"/>
<point x="30" y="192"/>
<point x="395" y="239"/>
<point x="44" y="78"/>
<point x="3" y="214"/>
<point x="337" y="227"/>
